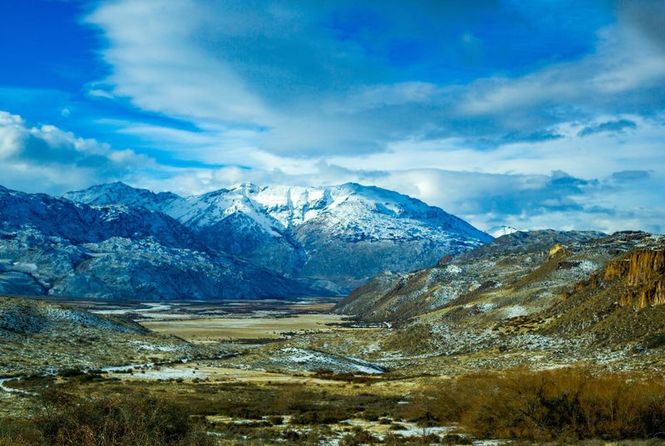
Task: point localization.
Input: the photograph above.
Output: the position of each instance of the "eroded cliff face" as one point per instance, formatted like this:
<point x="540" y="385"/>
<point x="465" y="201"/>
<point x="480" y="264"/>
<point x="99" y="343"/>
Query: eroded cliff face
<point x="642" y="273"/>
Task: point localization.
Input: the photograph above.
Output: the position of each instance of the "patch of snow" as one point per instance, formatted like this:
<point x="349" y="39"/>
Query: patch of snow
<point x="25" y="267"/>
<point x="588" y="266"/>
<point x="166" y="373"/>
<point x="498" y="231"/>
<point x="155" y="348"/>
<point x="453" y="269"/>
<point x="4" y="388"/>
<point x="485" y="307"/>
<point x="416" y="431"/>
<point x="514" y="311"/>
<point x="321" y="361"/>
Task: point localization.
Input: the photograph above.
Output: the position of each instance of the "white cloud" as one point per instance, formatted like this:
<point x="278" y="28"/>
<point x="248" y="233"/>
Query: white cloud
<point x="623" y="62"/>
<point x="260" y="98"/>
<point x="59" y="159"/>
<point x="263" y="70"/>
<point x="158" y="65"/>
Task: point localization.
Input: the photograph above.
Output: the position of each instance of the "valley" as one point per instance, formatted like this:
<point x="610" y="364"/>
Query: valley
<point x="126" y="320"/>
<point x="299" y="372"/>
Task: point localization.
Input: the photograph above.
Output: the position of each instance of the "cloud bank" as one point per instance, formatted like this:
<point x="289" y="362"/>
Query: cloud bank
<point x="622" y="200"/>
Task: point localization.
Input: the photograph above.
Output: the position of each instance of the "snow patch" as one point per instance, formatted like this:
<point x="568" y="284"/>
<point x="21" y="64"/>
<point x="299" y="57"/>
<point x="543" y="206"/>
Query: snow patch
<point x="313" y="360"/>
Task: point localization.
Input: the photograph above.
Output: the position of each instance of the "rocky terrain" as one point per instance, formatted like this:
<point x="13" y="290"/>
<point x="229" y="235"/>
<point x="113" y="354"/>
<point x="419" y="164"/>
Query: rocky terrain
<point x="539" y="336"/>
<point x="33" y="263"/>
<point x="563" y="296"/>
<point x="44" y="338"/>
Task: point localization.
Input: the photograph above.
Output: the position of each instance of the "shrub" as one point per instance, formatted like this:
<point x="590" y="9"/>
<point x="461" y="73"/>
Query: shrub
<point x="358" y="437"/>
<point x="565" y="404"/>
<point x="135" y="420"/>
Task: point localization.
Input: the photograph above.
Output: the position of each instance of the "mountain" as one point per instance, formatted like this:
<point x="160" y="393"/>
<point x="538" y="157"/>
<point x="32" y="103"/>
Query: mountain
<point x="527" y="290"/>
<point x="54" y="246"/>
<point x="80" y="223"/>
<point x="118" y="192"/>
<point x="498" y="231"/>
<point x="335" y="236"/>
<point x="114" y="241"/>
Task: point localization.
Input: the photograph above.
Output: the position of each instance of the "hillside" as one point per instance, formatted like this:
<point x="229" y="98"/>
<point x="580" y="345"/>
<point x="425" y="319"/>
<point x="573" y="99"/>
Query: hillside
<point x="40" y="337"/>
<point x="570" y="294"/>
<point x="53" y="246"/>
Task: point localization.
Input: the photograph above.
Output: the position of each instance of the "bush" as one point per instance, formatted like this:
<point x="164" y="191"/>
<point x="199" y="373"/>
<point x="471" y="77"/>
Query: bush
<point x="135" y="420"/>
<point x="358" y="437"/>
<point x="565" y="404"/>
<point x="15" y="432"/>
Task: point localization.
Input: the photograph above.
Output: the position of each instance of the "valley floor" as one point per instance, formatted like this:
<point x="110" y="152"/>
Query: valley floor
<point x="271" y="372"/>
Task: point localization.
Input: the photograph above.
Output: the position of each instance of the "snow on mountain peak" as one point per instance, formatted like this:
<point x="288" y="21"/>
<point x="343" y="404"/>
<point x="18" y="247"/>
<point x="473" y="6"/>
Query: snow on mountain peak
<point x="329" y="238"/>
<point x="121" y="193"/>
<point x="498" y="231"/>
<point x="367" y="211"/>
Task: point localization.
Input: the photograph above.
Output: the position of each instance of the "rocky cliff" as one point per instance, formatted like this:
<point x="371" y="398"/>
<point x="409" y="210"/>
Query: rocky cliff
<point x="643" y="274"/>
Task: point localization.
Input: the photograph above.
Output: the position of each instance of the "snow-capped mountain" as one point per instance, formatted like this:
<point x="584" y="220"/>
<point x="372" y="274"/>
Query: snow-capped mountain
<point x="81" y="223"/>
<point x="54" y="246"/>
<point x="114" y="193"/>
<point x="335" y="236"/>
<point x="500" y="231"/>
<point x="115" y="241"/>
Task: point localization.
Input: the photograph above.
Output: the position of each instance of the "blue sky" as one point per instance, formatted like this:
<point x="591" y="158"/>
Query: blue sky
<point x="530" y="114"/>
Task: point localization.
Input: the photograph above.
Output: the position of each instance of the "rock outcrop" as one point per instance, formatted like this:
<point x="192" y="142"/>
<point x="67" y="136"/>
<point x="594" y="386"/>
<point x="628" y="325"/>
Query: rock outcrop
<point x="644" y="276"/>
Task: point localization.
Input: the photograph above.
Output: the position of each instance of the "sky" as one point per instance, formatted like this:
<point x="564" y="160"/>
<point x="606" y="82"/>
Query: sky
<point x="538" y="114"/>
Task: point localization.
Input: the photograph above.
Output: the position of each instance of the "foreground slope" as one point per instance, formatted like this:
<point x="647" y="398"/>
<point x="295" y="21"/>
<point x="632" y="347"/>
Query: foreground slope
<point x="39" y="337"/>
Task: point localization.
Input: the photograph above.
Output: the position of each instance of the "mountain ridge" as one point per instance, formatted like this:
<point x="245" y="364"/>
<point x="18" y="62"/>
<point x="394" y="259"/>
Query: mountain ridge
<point x="298" y="230"/>
<point x="116" y="241"/>
<point x="599" y="289"/>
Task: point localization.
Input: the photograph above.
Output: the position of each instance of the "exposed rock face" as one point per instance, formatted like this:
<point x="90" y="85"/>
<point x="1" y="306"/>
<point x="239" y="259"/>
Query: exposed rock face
<point x="644" y="274"/>
<point x="557" y="248"/>
<point x="645" y="266"/>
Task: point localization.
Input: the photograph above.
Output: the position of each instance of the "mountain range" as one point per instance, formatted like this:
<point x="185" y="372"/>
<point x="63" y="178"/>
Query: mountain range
<point x="116" y="241"/>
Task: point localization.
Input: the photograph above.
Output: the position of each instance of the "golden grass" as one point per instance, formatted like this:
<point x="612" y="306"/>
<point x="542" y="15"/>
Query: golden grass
<point x="564" y="404"/>
<point x="230" y="328"/>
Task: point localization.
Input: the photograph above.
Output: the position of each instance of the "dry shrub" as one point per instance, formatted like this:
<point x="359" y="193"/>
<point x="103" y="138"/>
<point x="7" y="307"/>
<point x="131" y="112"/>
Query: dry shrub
<point x="17" y="432"/>
<point x="358" y="437"/>
<point x="136" y="420"/>
<point x="564" y="404"/>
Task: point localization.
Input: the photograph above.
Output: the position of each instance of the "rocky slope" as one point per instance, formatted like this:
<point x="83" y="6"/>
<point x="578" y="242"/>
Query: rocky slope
<point x="562" y="291"/>
<point x="335" y="237"/>
<point x="39" y="337"/>
<point x="80" y="223"/>
<point x="138" y="269"/>
<point x="484" y="270"/>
